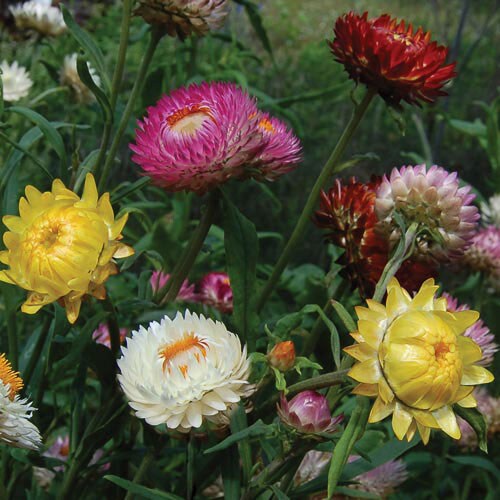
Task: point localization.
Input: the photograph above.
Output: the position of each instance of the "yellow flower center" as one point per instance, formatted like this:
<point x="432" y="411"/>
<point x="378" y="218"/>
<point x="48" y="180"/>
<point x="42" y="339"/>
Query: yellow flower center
<point x="9" y="377"/>
<point x="187" y="344"/>
<point x="421" y="361"/>
<point x="189" y="120"/>
<point x="265" y="124"/>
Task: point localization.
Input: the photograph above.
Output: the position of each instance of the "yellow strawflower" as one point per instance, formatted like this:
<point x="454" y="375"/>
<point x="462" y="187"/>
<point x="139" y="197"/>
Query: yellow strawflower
<point x="412" y="356"/>
<point x="61" y="247"/>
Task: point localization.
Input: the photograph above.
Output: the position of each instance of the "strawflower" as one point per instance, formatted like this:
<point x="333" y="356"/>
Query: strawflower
<point x="308" y="412"/>
<point x="478" y="332"/>
<point x="414" y="359"/>
<point x="186" y="294"/>
<point x="490" y="212"/>
<point x="101" y="335"/>
<point x="185" y="17"/>
<point x="201" y="136"/>
<point x="392" y="58"/>
<point x="214" y="289"/>
<point x="16" y="81"/>
<point x="15" y="413"/>
<point x="70" y="78"/>
<point x="484" y="253"/>
<point x="180" y="372"/>
<point x="282" y="356"/>
<point x="347" y="212"/>
<point x="38" y="16"/>
<point x="433" y="199"/>
<point x="62" y="247"/>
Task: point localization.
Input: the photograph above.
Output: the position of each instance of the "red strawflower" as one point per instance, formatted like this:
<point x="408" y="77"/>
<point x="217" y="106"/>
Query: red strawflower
<point x="399" y="63"/>
<point x="348" y="212"/>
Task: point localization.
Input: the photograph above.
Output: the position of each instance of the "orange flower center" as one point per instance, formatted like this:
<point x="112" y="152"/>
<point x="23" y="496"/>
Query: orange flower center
<point x="400" y="37"/>
<point x="189" y="342"/>
<point x="9" y="377"/>
<point x="265" y="124"/>
<point x="189" y="119"/>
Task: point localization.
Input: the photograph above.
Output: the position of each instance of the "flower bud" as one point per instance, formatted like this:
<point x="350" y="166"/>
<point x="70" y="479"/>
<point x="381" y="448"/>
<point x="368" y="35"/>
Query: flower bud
<point x="308" y="412"/>
<point x="282" y="356"/>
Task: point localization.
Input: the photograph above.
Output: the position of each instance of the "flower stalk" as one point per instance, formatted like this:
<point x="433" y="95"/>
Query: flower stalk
<point x="328" y="170"/>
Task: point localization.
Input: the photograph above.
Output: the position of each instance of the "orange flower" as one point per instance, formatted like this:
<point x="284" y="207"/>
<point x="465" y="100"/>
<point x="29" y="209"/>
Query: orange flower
<point x="282" y="356"/>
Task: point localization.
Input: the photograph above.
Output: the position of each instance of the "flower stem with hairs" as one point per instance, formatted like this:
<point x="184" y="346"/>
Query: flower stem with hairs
<point x="328" y="170"/>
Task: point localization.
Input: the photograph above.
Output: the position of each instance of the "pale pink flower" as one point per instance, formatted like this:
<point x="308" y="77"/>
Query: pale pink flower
<point x="186" y="294"/>
<point x="311" y="467"/>
<point x="484" y="253"/>
<point x="308" y="412"/>
<point x="490" y="408"/>
<point x="478" y="332"/>
<point x="215" y="290"/>
<point x="434" y="199"/>
<point x="101" y="335"/>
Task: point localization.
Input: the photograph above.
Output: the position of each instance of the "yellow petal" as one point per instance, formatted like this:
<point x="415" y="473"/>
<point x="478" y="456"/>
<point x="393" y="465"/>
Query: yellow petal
<point x="441" y="304"/>
<point x="4" y="257"/>
<point x="14" y="223"/>
<point x="397" y="301"/>
<point x="380" y="410"/>
<point x="72" y="309"/>
<point x="369" y="314"/>
<point x="401" y="421"/>
<point x="424" y="300"/>
<point x="367" y="371"/>
<point x="458" y="321"/>
<point x="475" y="375"/>
<point x="424" y="432"/>
<point x="377" y="307"/>
<point x="370" y="390"/>
<point x="469" y="350"/>
<point x="372" y="333"/>
<point x="105" y="209"/>
<point x="123" y="251"/>
<point x="118" y="226"/>
<point x="6" y="278"/>
<point x="361" y="352"/>
<point x="384" y="391"/>
<point x="424" y="418"/>
<point x="447" y="421"/>
<point x="411" y="431"/>
<point x="468" y="402"/>
<point x="90" y="195"/>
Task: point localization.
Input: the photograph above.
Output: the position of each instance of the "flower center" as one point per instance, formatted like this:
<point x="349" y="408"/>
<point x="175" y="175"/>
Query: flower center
<point x="177" y="351"/>
<point x="9" y="377"/>
<point x="266" y="125"/>
<point x="189" y="119"/>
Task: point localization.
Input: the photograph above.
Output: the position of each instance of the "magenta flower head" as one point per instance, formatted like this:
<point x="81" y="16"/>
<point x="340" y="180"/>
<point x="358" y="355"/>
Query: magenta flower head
<point x="215" y="290"/>
<point x="186" y="293"/>
<point x="308" y="412"/>
<point x="434" y="200"/>
<point x="101" y="335"/>
<point x="478" y="332"/>
<point x="201" y="136"/>
<point x="484" y="253"/>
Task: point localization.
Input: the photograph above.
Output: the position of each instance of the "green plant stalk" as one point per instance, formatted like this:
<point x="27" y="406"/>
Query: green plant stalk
<point x="328" y="170"/>
<point x="117" y="79"/>
<point x="156" y="35"/>
<point x="193" y="249"/>
<point x="354" y="430"/>
<point x="141" y="471"/>
<point x="313" y="337"/>
<point x="394" y="263"/>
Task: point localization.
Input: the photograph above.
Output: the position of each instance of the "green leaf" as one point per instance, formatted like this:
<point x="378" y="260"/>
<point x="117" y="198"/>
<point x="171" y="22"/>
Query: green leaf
<point x="476" y="128"/>
<point x="255" y="18"/>
<point x="280" y="381"/>
<point x="230" y="472"/>
<point x="476" y="461"/>
<point x="239" y="423"/>
<point x="84" y="73"/>
<point x="88" y="45"/>
<point x="301" y="362"/>
<point x="257" y="429"/>
<point x="48" y="129"/>
<point x="477" y="421"/>
<point x="137" y="489"/>
<point x="278" y="493"/>
<point x="344" y="316"/>
<point x="242" y="247"/>
<point x="127" y="188"/>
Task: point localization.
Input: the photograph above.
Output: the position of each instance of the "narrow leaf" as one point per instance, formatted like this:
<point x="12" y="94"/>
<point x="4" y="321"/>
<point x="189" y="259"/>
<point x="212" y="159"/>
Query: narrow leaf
<point x="476" y="420"/>
<point x="152" y="494"/>
<point x="344" y="316"/>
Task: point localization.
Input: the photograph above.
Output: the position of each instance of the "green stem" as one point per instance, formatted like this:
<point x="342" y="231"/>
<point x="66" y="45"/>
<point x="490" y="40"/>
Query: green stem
<point x="192" y="250"/>
<point x="313" y="336"/>
<point x="156" y="35"/>
<point x="117" y="79"/>
<point x="141" y="471"/>
<point x="328" y="170"/>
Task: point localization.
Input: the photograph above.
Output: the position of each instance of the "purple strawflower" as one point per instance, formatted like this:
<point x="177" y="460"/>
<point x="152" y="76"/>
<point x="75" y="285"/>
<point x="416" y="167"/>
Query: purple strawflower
<point x="215" y="290"/>
<point x="186" y="294"/>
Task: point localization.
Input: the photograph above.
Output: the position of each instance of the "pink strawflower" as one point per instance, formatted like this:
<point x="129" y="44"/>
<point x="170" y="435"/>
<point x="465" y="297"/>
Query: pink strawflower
<point x="308" y="412"/>
<point x="484" y="253"/>
<point x="490" y="408"/>
<point x="215" y="290"/>
<point x="201" y="136"/>
<point x="101" y="335"/>
<point x="282" y="150"/>
<point x="478" y="332"/>
<point x="311" y="467"/>
<point x="434" y="199"/>
<point x="382" y="480"/>
<point x="186" y="294"/>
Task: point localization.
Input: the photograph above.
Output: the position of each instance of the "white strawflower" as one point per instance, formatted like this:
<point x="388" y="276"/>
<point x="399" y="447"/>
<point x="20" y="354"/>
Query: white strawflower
<point x="16" y="81"/>
<point x="39" y="16"/>
<point x="491" y="210"/>
<point x="15" y="413"/>
<point x="180" y="371"/>
<point x="70" y="77"/>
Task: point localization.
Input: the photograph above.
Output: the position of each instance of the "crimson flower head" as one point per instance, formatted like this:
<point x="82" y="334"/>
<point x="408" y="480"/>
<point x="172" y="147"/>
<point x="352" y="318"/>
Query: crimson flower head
<point x="308" y="412"/>
<point x="215" y="290"/>
<point x="400" y="63"/>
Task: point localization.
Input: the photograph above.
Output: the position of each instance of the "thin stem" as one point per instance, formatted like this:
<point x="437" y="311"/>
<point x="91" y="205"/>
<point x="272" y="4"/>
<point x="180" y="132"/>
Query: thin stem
<point x="117" y="78"/>
<point x="192" y="250"/>
<point x="141" y="471"/>
<point x="319" y="382"/>
<point x="313" y="336"/>
<point x="156" y="35"/>
<point x="328" y="170"/>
